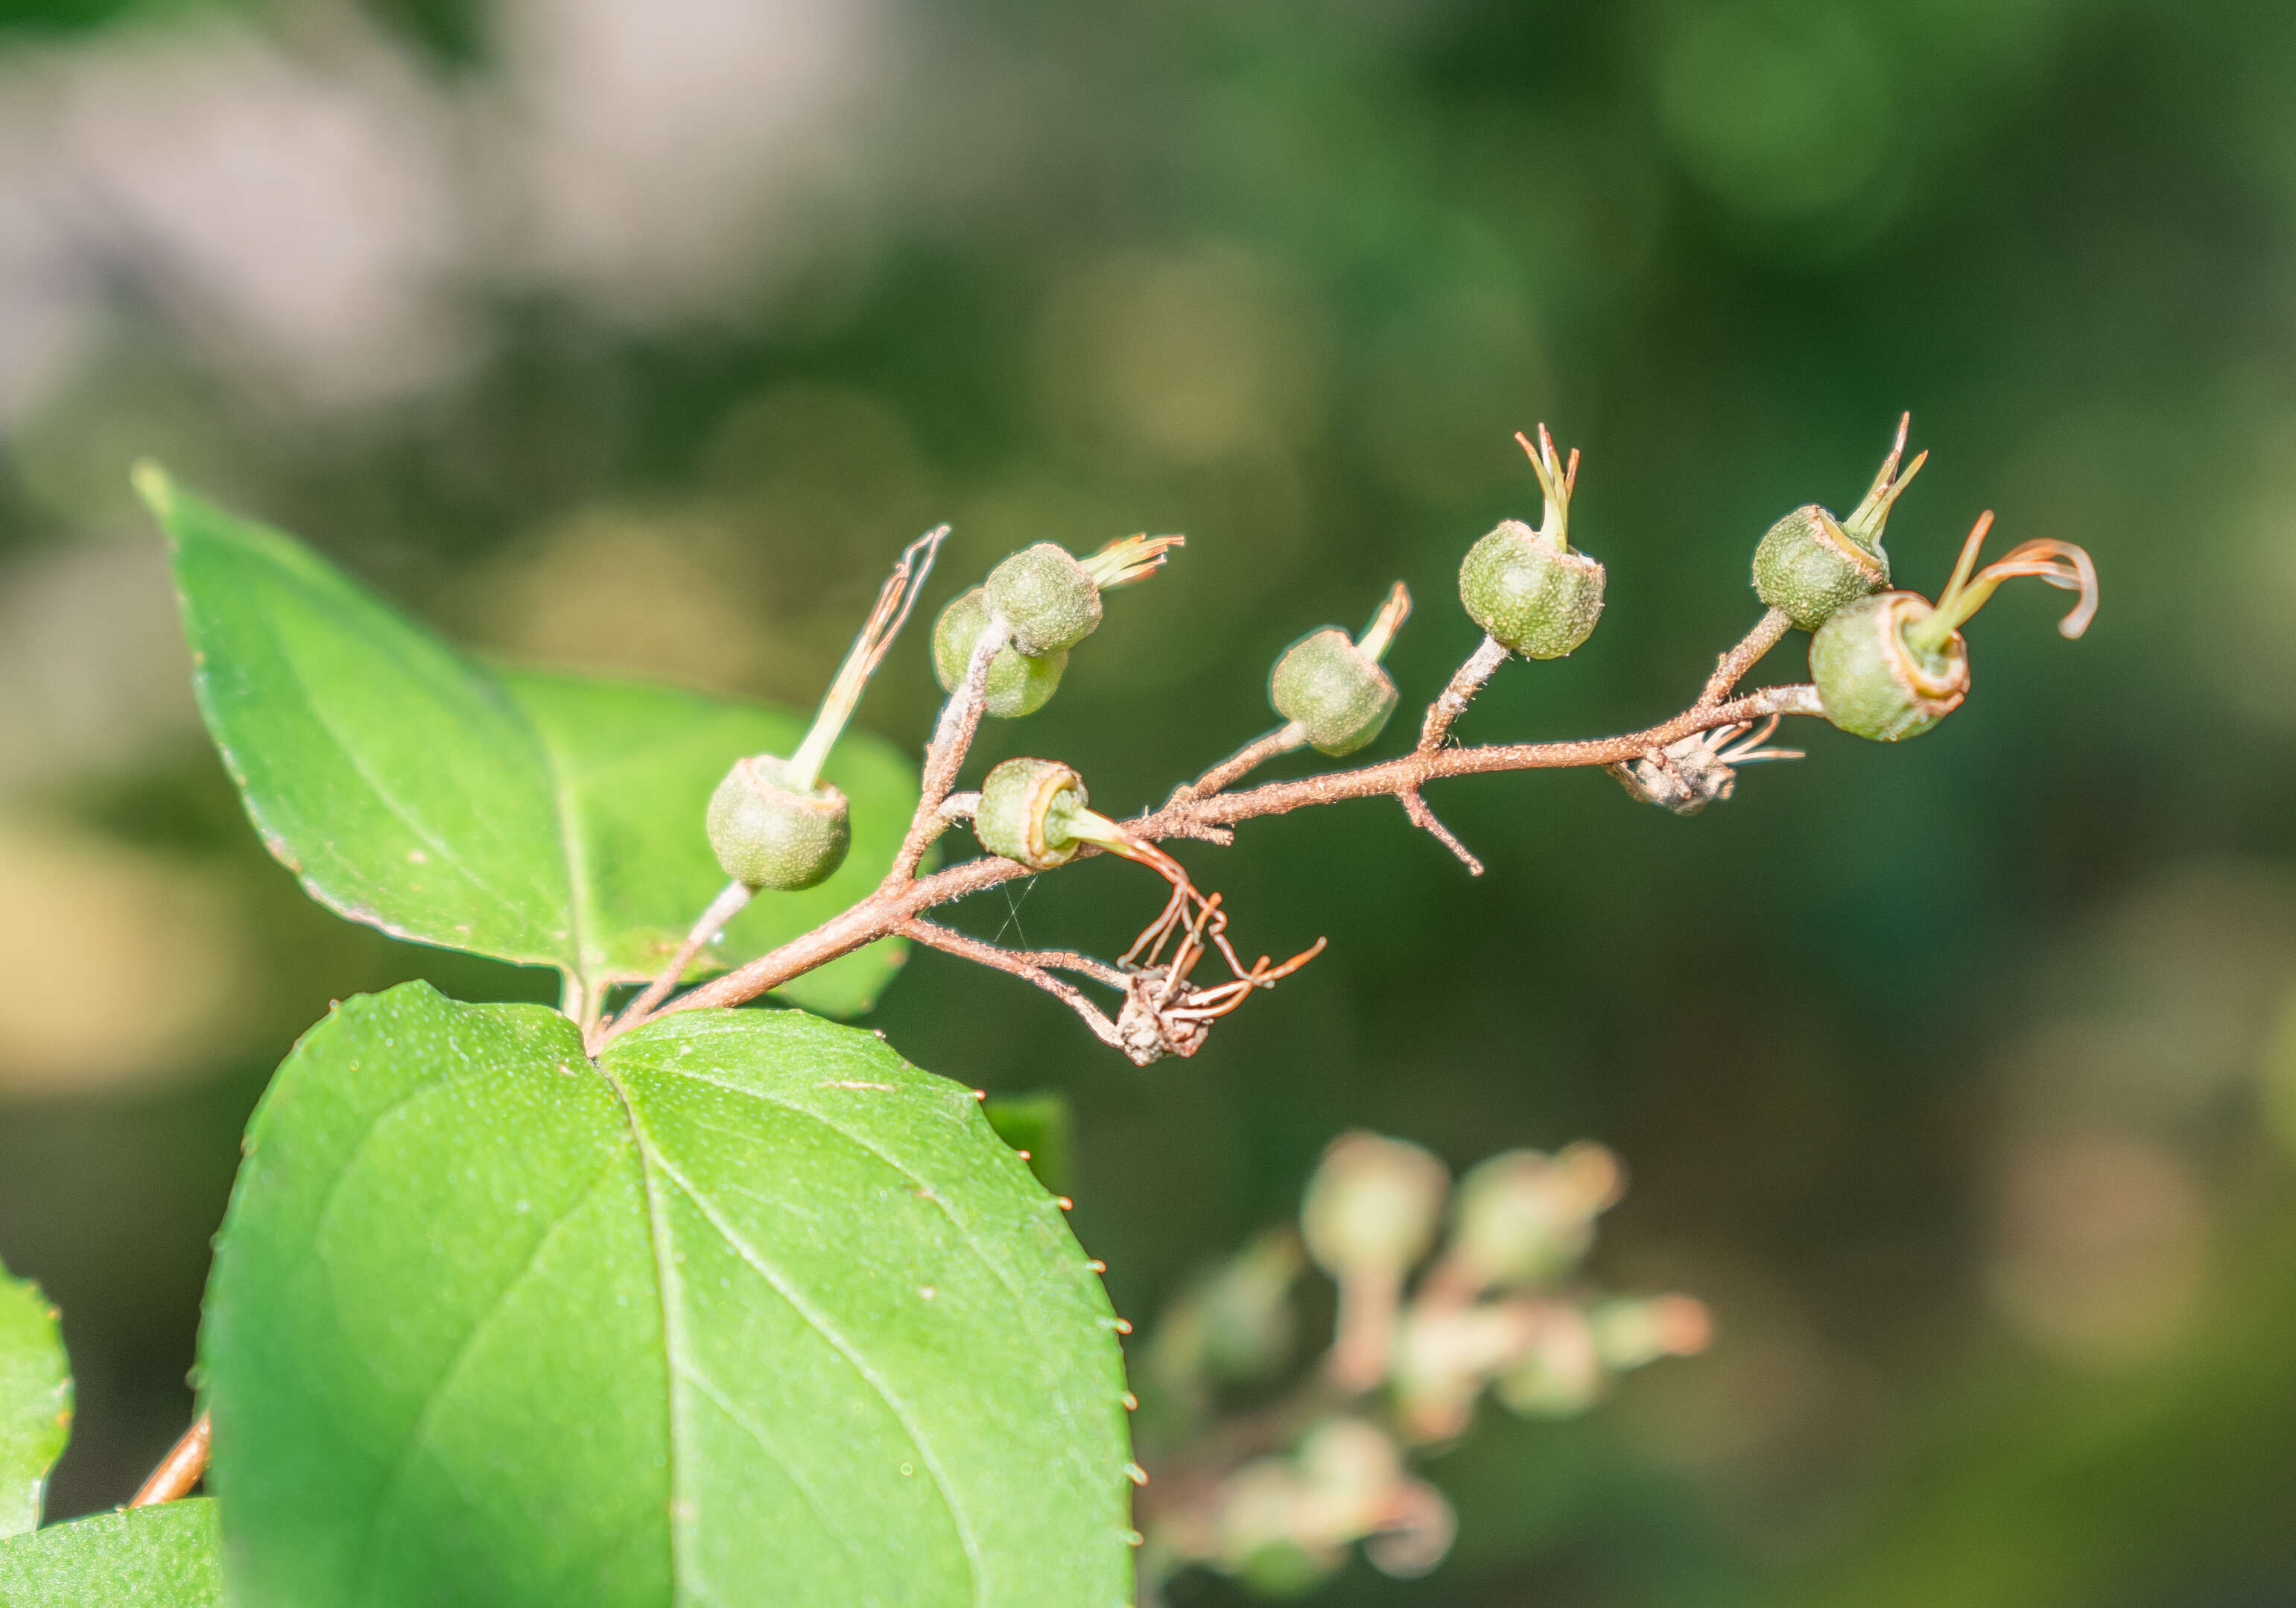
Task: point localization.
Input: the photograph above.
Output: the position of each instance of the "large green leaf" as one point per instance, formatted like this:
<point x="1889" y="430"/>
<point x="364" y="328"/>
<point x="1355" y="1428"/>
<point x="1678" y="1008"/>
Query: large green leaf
<point x="547" y="819"/>
<point x="35" y="1400"/>
<point x="749" y="1311"/>
<point x="162" y="1556"/>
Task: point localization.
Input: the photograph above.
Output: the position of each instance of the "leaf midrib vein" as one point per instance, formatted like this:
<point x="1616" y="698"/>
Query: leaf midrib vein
<point x="651" y="1157"/>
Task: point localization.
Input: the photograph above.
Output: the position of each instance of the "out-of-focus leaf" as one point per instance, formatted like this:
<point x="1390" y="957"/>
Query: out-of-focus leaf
<point x="749" y="1311"/>
<point x="35" y="1401"/>
<point x="166" y="1556"/>
<point x="1040" y="1127"/>
<point x="545" y="819"/>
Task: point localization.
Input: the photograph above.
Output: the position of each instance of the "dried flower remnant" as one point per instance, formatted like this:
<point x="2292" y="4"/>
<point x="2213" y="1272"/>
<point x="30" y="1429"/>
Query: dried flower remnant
<point x="1687" y="776"/>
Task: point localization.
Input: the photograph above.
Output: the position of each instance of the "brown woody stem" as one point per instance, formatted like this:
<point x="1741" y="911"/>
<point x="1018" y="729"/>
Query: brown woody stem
<point x="1030" y="966"/>
<point x="180" y="1470"/>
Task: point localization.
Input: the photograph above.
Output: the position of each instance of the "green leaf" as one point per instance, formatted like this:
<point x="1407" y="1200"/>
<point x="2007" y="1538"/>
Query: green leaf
<point x="749" y="1311"/>
<point x="547" y="819"/>
<point x="166" y="1556"/>
<point x="35" y="1401"/>
<point x="1039" y="1127"/>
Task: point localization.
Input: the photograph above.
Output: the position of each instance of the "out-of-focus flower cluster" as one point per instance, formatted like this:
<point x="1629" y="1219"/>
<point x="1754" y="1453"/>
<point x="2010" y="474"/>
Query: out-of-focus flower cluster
<point x="1269" y="1468"/>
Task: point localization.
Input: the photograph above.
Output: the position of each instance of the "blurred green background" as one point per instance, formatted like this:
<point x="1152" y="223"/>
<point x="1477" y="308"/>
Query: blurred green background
<point x="1959" y="1079"/>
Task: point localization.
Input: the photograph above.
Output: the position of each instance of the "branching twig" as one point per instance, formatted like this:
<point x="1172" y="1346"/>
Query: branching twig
<point x="897" y="903"/>
<point x="183" y="1466"/>
<point x="1030" y="964"/>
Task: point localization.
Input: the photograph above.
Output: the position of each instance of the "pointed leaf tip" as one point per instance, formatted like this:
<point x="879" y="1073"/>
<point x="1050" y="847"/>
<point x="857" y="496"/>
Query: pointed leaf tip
<point x="539" y="818"/>
<point x="155" y="486"/>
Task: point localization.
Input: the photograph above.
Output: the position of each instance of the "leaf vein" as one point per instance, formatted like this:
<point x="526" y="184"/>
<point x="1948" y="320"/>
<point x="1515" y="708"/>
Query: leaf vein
<point x="819" y="1322"/>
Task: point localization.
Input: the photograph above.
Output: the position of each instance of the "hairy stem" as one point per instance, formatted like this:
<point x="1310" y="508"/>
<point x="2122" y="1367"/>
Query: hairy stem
<point x="1734" y="664"/>
<point x="1466" y="681"/>
<point x="952" y="740"/>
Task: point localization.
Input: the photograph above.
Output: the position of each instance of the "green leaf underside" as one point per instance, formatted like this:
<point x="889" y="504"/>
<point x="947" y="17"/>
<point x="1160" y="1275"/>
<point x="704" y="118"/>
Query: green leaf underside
<point x="35" y="1400"/>
<point x="542" y="818"/>
<point x="167" y="1555"/>
<point x="751" y="1311"/>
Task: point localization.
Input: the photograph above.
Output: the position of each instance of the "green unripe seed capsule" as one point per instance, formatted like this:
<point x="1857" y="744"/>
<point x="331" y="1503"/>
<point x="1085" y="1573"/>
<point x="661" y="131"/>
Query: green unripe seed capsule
<point x="1810" y="563"/>
<point x="1531" y="592"/>
<point x="1029" y="811"/>
<point x="1873" y="682"/>
<point x="769" y="835"/>
<point x="1372" y="1205"/>
<point x="1891" y="667"/>
<point x="1809" y="566"/>
<point x="1019" y="684"/>
<point x="1339" y="694"/>
<point x="1532" y="599"/>
<point x="1049" y="598"/>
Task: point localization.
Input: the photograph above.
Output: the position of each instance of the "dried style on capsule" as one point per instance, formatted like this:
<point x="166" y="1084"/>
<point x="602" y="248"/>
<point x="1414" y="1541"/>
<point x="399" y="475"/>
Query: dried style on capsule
<point x="1891" y="667"/>
<point x="774" y="823"/>
<point x="1335" y="687"/>
<point x="1530" y="590"/>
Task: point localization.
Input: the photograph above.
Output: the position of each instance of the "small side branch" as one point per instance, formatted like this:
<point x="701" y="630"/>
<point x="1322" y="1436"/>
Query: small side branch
<point x="952" y="739"/>
<point x="1424" y="819"/>
<point x="1734" y="664"/>
<point x="181" y="1469"/>
<point x="1030" y="964"/>
<point x="1252" y="755"/>
<point x="724" y="908"/>
<point x="1466" y="681"/>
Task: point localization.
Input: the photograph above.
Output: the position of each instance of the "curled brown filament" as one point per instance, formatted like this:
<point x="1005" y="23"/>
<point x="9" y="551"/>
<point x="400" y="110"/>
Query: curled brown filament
<point x="2059" y="564"/>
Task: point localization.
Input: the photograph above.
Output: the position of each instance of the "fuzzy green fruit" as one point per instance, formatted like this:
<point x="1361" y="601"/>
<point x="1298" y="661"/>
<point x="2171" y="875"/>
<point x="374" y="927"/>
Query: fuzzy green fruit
<point x="1027" y="810"/>
<point x="1873" y="683"/>
<point x="769" y="835"/>
<point x="1019" y="684"/>
<point x="1535" y="598"/>
<point x="1372" y="1205"/>
<point x="1809" y="566"/>
<point x="1339" y="694"/>
<point x="1051" y="600"/>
